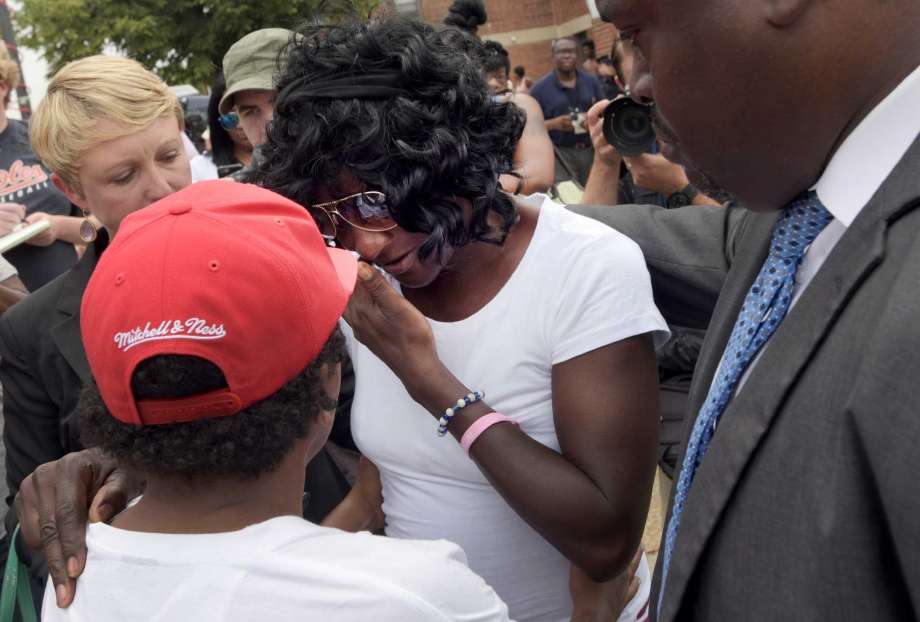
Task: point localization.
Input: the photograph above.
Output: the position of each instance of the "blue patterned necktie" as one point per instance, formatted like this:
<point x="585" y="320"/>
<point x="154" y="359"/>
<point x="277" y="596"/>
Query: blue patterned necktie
<point x="765" y="306"/>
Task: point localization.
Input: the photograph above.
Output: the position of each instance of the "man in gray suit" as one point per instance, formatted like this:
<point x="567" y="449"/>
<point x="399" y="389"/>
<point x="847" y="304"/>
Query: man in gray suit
<point x="797" y="496"/>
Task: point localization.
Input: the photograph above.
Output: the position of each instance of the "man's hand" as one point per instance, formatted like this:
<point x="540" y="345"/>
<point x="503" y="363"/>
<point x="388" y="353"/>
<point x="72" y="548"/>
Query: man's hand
<point x="391" y="328"/>
<point x="11" y="215"/>
<point x="654" y="172"/>
<point x="46" y="237"/>
<point x="603" y="602"/>
<point x="53" y="505"/>
<point x="604" y="152"/>
<point x="562" y="123"/>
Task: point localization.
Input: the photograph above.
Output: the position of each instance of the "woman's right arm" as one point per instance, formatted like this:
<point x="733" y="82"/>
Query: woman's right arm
<point x="534" y="159"/>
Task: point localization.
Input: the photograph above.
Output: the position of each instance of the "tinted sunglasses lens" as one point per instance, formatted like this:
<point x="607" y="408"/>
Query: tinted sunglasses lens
<point x="229" y="121"/>
<point x="368" y="211"/>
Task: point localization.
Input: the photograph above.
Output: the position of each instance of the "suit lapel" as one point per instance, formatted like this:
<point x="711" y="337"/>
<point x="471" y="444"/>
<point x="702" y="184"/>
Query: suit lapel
<point x="750" y="414"/>
<point x="66" y="333"/>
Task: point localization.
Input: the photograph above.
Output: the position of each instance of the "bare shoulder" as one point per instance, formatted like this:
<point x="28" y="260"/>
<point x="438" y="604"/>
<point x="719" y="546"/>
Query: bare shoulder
<point x="528" y="104"/>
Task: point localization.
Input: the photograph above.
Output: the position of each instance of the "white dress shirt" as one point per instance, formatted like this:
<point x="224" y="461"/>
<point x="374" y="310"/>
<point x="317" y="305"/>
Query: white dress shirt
<point x="856" y="171"/>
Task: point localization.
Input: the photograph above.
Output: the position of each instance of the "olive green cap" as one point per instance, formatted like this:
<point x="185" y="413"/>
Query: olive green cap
<point x="251" y="63"/>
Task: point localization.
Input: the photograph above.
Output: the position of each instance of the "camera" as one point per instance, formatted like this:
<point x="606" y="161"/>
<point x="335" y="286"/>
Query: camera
<point x="628" y="126"/>
<point x="225" y="170"/>
<point x="195" y="109"/>
<point x="579" y="120"/>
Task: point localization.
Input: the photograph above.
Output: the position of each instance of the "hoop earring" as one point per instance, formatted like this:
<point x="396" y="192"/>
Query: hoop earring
<point x="88" y="231"/>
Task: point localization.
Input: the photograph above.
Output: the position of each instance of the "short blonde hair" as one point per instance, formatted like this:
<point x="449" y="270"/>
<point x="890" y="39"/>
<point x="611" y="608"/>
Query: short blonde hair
<point x="87" y="91"/>
<point x="9" y="72"/>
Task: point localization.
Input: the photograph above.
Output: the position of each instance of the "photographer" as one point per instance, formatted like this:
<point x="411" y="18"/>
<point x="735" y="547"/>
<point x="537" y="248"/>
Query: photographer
<point x="565" y="95"/>
<point x="651" y="179"/>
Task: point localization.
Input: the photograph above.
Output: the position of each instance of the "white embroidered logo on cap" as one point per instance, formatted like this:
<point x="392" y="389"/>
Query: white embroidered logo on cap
<point x="192" y="328"/>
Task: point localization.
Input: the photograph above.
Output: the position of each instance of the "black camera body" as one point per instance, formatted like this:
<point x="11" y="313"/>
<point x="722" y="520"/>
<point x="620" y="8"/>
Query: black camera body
<point x="628" y="126"/>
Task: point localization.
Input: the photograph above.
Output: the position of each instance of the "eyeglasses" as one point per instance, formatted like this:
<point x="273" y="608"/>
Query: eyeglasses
<point x="229" y="121"/>
<point x="367" y="211"/>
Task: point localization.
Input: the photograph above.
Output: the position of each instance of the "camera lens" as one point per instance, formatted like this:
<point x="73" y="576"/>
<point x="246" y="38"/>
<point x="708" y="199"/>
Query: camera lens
<point x="628" y="127"/>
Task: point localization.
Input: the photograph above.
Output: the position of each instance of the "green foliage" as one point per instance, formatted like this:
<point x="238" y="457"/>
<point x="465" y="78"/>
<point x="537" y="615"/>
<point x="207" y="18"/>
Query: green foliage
<point x="181" y="40"/>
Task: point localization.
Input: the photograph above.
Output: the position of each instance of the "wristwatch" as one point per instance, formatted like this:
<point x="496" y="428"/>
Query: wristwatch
<point x="683" y="197"/>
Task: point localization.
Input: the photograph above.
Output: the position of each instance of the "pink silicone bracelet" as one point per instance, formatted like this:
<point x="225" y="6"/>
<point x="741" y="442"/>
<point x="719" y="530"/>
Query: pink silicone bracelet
<point x="481" y="425"/>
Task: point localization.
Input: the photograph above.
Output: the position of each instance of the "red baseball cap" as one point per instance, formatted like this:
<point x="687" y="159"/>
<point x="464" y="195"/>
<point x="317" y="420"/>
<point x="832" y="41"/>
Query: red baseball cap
<point x="228" y="272"/>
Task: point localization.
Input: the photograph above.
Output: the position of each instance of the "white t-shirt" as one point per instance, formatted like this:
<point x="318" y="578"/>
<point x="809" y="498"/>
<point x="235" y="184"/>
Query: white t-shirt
<point x="580" y="285"/>
<point x="283" y="569"/>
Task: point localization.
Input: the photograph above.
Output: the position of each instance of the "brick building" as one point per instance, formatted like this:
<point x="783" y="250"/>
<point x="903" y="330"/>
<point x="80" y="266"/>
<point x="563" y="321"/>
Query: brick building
<point x="527" y="27"/>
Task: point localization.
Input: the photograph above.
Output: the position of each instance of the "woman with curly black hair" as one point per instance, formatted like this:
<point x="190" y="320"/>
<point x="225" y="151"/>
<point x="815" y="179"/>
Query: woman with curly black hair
<point x="534" y="162"/>
<point x="391" y="137"/>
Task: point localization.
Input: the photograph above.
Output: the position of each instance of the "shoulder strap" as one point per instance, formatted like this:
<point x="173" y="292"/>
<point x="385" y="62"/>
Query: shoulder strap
<point x="16" y="587"/>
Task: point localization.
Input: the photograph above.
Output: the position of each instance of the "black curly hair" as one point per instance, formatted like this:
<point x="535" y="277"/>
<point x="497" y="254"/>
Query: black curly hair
<point x="495" y="57"/>
<point x="245" y="445"/>
<point x="467" y="15"/>
<point x="442" y="137"/>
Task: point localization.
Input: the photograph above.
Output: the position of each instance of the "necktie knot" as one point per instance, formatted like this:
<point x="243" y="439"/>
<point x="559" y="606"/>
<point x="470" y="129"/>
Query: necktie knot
<point x="800" y="224"/>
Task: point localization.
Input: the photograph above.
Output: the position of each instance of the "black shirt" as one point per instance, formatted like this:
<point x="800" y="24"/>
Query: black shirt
<point x="25" y="180"/>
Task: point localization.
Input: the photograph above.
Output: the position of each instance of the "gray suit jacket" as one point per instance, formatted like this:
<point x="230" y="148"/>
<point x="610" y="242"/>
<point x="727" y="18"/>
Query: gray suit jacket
<point x="807" y="503"/>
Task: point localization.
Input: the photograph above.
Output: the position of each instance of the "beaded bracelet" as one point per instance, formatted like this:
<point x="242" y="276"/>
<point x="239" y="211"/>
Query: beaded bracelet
<point x="463" y="402"/>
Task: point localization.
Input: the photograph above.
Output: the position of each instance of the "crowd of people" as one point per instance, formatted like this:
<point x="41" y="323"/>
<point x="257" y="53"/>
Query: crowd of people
<point x="357" y="359"/>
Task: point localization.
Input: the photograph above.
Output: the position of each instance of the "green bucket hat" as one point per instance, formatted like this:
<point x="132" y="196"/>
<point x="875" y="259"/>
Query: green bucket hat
<point x="251" y="62"/>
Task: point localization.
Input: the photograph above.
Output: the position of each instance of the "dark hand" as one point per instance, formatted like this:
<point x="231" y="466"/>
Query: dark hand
<point x="391" y="327"/>
<point x="655" y="172"/>
<point x="362" y="508"/>
<point x="603" y="602"/>
<point x="53" y="505"/>
<point x="562" y="123"/>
